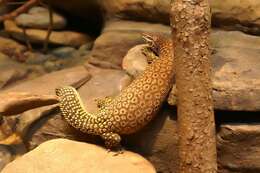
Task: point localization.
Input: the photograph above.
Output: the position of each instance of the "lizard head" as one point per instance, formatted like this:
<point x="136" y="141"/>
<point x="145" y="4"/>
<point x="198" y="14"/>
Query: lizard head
<point x="154" y="41"/>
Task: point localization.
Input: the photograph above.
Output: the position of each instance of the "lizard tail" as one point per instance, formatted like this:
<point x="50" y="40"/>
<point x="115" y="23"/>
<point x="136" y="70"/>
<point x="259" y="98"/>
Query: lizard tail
<point x="73" y="110"/>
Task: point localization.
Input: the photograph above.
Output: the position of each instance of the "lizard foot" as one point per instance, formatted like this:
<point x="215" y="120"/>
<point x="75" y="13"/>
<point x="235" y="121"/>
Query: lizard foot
<point x="102" y="103"/>
<point x="112" y="140"/>
<point x="149" y="55"/>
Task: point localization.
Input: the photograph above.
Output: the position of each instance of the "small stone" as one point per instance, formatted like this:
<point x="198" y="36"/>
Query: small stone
<point x="35" y="58"/>
<point x="135" y="61"/>
<point x="85" y="49"/>
<point x="5" y="156"/>
<point x="38" y="17"/>
<point x="64" y="52"/>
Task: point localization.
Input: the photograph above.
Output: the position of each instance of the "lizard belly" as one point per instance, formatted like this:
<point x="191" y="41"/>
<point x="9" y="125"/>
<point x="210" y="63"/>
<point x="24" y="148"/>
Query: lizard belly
<point x="140" y="101"/>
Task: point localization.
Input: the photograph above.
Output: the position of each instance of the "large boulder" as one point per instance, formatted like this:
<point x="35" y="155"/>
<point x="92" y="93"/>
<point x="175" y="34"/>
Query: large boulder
<point x="232" y="14"/>
<point x="65" y="156"/>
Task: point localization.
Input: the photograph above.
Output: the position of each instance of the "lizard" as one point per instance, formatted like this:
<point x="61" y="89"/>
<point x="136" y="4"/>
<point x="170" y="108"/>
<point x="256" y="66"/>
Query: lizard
<point x="135" y="105"/>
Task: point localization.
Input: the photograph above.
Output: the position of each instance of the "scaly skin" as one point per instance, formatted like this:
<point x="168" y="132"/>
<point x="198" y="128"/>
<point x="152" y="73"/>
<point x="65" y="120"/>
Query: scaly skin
<point x="133" y="108"/>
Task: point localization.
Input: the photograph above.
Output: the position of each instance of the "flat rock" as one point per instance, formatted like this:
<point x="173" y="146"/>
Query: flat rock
<point x="118" y="37"/>
<point x="67" y="38"/>
<point x="38" y="17"/>
<point x="62" y="156"/>
<point x="16" y="102"/>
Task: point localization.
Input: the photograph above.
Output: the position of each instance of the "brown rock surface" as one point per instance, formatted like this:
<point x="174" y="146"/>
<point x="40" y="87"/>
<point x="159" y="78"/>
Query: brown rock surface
<point x="11" y="48"/>
<point x="67" y="38"/>
<point x="65" y="156"/>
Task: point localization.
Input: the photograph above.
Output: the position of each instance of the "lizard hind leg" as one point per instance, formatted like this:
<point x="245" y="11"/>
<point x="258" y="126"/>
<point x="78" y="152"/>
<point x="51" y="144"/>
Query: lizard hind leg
<point x="102" y="103"/>
<point x="112" y="140"/>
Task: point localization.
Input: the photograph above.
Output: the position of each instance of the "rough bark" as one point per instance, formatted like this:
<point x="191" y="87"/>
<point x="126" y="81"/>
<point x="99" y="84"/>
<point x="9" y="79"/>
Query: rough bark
<point x="191" y="27"/>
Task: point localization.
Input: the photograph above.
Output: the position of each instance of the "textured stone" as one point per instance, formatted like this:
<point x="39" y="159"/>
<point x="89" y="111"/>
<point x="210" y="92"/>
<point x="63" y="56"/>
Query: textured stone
<point x="38" y="17"/>
<point x="68" y="38"/>
<point x="65" y="156"/>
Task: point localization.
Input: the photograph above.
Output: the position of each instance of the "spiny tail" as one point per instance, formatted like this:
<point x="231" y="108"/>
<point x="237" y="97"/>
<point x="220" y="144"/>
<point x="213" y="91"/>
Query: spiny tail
<point x="73" y="110"/>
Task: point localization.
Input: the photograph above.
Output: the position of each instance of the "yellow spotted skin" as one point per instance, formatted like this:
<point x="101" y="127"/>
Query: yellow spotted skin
<point x="133" y="108"/>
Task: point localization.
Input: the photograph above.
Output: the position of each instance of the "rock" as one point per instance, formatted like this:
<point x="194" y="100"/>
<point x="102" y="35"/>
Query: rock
<point x="17" y="102"/>
<point x="145" y="10"/>
<point x="38" y="17"/>
<point x="74" y="76"/>
<point x="12" y="48"/>
<point x="135" y="61"/>
<point x="118" y="37"/>
<point x="62" y="156"/>
<point x="5" y="156"/>
<point x="67" y="38"/>
<point x="239" y="148"/>
<point x="11" y="71"/>
<point x="237" y="15"/>
<point x="64" y="52"/>
<point x="236" y="83"/>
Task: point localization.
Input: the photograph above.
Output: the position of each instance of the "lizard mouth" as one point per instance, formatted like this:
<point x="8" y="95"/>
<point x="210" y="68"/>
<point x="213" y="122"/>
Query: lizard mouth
<point x="150" y="39"/>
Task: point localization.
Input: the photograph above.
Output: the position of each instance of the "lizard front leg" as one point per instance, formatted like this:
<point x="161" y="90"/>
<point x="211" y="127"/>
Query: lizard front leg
<point x="150" y="55"/>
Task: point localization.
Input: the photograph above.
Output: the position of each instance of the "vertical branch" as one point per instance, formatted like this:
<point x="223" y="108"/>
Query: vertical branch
<point x="191" y="27"/>
<point x="19" y="10"/>
<point x="50" y="28"/>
